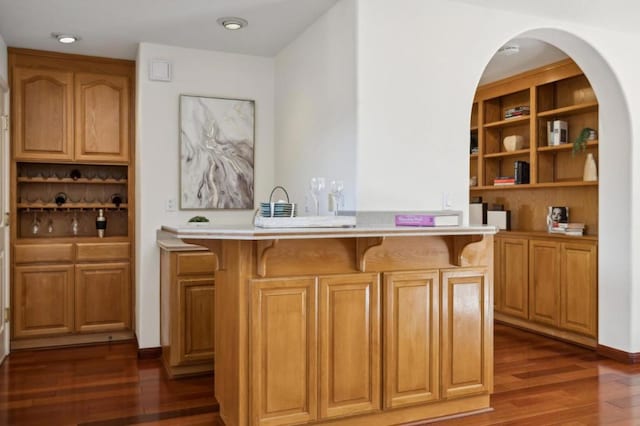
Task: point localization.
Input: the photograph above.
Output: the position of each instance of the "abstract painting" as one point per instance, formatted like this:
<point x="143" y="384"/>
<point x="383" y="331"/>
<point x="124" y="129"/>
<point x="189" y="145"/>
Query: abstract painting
<point x="216" y="153"/>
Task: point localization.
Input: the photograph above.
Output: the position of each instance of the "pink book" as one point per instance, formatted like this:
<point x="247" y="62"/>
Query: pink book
<point x="426" y="220"/>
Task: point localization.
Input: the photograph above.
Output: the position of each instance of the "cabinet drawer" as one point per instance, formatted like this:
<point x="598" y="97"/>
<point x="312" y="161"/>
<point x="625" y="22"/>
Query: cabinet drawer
<point x="196" y="263"/>
<point x="43" y="253"/>
<point x="96" y="252"/>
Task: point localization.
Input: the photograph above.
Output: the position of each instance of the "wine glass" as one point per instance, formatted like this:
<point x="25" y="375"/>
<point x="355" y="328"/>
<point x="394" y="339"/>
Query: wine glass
<point x="74" y="224"/>
<point x="317" y="185"/>
<point x="35" y="225"/>
<point x="337" y="187"/>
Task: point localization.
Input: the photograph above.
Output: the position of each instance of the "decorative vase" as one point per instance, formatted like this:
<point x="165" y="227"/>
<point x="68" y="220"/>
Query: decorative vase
<point x="590" y="170"/>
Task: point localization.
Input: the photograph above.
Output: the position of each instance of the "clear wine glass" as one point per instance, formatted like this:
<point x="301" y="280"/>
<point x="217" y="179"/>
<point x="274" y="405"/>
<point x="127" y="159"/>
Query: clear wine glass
<point x="35" y="225"/>
<point x="74" y="224"/>
<point x="317" y="185"/>
<point x="337" y="188"/>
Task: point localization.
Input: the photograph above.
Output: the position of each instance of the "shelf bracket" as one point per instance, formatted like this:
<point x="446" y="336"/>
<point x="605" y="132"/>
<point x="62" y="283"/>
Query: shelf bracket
<point x="363" y="247"/>
<point x="264" y="247"/>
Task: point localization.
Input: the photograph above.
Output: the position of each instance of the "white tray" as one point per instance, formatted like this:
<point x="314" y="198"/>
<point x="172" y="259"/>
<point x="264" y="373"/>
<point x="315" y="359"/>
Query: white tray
<point x="306" y="222"/>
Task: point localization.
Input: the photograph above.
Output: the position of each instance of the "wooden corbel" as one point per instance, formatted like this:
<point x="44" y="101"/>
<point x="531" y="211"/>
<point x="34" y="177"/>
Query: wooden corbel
<point x="363" y="245"/>
<point x="264" y="247"/>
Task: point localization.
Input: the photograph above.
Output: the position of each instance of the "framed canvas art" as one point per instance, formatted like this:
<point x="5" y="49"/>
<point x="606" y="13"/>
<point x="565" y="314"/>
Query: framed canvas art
<point x="216" y="153"/>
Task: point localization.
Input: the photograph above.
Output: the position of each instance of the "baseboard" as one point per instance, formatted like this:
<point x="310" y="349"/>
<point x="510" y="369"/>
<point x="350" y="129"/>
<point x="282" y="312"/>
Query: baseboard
<point x="547" y="331"/>
<point x="149" y="353"/>
<point x="618" y="355"/>
<point x="72" y="340"/>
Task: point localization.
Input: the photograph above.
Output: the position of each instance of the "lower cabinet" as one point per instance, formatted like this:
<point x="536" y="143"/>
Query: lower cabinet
<point x="187" y="299"/>
<point x="551" y="290"/>
<point x="321" y="349"/>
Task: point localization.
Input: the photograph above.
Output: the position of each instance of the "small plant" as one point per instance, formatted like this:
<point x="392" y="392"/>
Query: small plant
<point x="199" y="219"/>
<point x="580" y="144"/>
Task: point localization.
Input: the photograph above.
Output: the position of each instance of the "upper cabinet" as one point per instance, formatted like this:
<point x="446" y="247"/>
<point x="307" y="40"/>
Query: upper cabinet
<point x="101" y="117"/>
<point x="43" y="114"/>
<point x="70" y="110"/>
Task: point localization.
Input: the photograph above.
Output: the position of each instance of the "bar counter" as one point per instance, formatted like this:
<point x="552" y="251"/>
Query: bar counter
<point x="371" y="325"/>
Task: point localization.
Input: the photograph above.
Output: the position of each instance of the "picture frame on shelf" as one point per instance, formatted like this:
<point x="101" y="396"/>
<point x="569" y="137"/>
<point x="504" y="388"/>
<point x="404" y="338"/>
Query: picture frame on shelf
<point x="217" y="142"/>
<point x="557" y="215"/>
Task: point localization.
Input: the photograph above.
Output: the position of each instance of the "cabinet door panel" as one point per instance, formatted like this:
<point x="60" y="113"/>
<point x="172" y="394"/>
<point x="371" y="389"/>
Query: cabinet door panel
<point x="196" y="318"/>
<point x="514" y="277"/>
<point x="411" y="336"/>
<point x="466" y="333"/>
<point x="544" y="279"/>
<point x="43" y="300"/>
<point x="579" y="293"/>
<point x="103" y="297"/>
<point x="42" y="113"/>
<point x="349" y="339"/>
<point x="283" y="355"/>
<point x="102" y="117"/>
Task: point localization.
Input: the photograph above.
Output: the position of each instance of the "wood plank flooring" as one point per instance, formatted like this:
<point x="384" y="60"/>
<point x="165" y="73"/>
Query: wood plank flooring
<point x="538" y="381"/>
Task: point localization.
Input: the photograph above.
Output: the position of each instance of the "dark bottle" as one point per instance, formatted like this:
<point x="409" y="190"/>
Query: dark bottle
<point x="60" y="198"/>
<point x="116" y="199"/>
<point x="75" y="174"/>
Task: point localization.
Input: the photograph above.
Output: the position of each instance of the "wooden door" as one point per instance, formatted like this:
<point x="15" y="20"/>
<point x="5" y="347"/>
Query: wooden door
<point x="467" y="353"/>
<point x="578" y="288"/>
<point x="514" y="277"/>
<point x="544" y="282"/>
<point x="42" y="112"/>
<point x="411" y="338"/>
<point x="102" y="117"/>
<point x="283" y="341"/>
<point x="349" y="344"/>
<point x="103" y="297"/>
<point x="196" y="323"/>
<point x="43" y="300"/>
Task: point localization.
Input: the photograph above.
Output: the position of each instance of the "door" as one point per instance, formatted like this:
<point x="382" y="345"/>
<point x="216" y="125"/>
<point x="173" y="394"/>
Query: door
<point x="196" y="323"/>
<point x="349" y="344"/>
<point x="102" y="117"/>
<point x="544" y="282"/>
<point x="411" y="338"/>
<point x="578" y="288"/>
<point x="42" y="114"/>
<point x="102" y="297"/>
<point x="283" y="355"/>
<point x="4" y="222"/>
<point x="514" y="277"/>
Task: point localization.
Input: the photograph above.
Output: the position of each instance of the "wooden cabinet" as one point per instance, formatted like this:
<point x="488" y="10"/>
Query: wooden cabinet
<point x="349" y="344"/>
<point x="101" y="117"/>
<point x="187" y="300"/>
<point x="411" y="338"/>
<point x="102" y="297"/>
<point x="283" y="362"/>
<point x="467" y="343"/>
<point x="562" y="286"/>
<point x="42" y="111"/>
<point x="43" y="300"/>
<point x="513" y="271"/>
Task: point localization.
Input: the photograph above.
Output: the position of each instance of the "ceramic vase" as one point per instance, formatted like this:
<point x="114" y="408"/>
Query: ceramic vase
<point x="590" y="170"/>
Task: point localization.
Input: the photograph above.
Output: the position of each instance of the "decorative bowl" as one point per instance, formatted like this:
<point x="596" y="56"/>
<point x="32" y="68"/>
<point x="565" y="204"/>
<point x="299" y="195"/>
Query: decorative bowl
<point x="513" y="143"/>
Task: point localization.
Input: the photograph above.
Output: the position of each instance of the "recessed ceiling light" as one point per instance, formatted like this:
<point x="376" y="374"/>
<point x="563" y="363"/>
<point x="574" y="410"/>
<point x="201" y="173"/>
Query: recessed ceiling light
<point x="232" y="23"/>
<point x="65" y="38"/>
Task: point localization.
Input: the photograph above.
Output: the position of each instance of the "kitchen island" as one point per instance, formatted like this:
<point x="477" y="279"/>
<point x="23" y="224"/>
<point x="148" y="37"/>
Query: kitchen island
<point x="372" y="325"/>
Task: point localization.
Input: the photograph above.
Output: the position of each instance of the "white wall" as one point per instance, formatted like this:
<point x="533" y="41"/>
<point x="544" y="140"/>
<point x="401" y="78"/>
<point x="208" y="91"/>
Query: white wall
<point x="316" y="105"/>
<point x="418" y="66"/>
<point x="4" y="73"/>
<point x="195" y="72"/>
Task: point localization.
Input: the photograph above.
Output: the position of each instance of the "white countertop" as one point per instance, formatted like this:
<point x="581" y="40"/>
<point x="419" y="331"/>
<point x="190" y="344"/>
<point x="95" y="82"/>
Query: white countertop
<point x="249" y="232"/>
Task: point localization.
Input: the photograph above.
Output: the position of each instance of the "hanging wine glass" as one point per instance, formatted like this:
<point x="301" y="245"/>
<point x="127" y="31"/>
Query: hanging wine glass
<point x="75" y="226"/>
<point x="35" y="224"/>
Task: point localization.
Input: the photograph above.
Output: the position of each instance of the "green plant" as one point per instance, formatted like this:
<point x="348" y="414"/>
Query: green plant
<point x="198" y="219"/>
<point x="580" y="144"/>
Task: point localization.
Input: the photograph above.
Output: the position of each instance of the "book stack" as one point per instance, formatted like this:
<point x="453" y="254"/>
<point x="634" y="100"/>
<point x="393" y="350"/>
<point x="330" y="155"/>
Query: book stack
<point x="521" y="172"/>
<point x="504" y="180"/>
<point x="518" y="111"/>
<point x="440" y="219"/>
<point x="571" y="228"/>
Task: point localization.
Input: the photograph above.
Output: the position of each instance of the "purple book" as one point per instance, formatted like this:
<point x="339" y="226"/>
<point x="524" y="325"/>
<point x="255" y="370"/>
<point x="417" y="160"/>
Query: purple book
<point x="426" y="220"/>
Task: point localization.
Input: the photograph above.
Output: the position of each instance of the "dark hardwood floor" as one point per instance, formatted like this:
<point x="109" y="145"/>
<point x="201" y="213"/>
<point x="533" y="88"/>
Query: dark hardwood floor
<point x="538" y="381"/>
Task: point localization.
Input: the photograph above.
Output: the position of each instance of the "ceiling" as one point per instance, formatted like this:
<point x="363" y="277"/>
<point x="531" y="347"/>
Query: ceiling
<point x="113" y="28"/>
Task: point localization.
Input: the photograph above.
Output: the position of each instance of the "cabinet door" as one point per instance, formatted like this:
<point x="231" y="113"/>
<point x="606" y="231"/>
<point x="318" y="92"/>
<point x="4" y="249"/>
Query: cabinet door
<point x="42" y="114"/>
<point x="349" y="344"/>
<point x="411" y="338"/>
<point x="514" y="277"/>
<point x="283" y="368"/>
<point x="43" y="300"/>
<point x="497" y="279"/>
<point x="578" y="288"/>
<point x="103" y="297"/>
<point x="466" y="333"/>
<point x="102" y="117"/>
<point x="544" y="282"/>
<point x="196" y="324"/>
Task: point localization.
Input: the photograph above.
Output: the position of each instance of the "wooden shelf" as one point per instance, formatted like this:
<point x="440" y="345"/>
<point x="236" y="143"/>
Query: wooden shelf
<point x="573" y="109"/>
<point x="564" y="147"/>
<point x="568" y="184"/>
<point x="71" y="206"/>
<point x="516" y="153"/>
<point x="509" y="122"/>
<point x="69" y="180"/>
<point x="474" y="128"/>
<point x="473" y="156"/>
